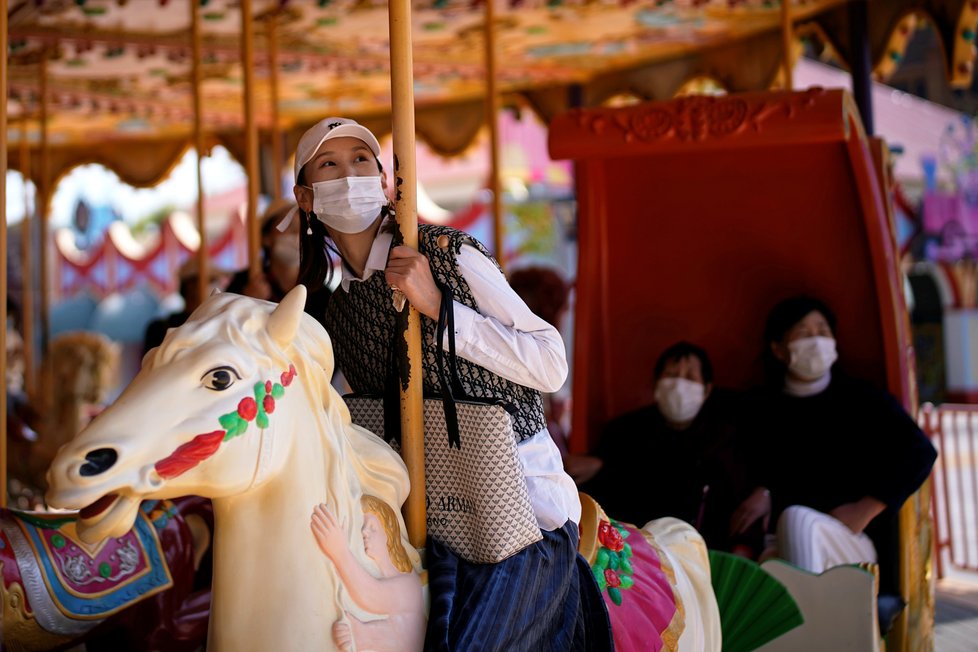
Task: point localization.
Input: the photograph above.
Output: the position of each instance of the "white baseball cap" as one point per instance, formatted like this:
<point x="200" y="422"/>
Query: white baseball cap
<point x="328" y="128"/>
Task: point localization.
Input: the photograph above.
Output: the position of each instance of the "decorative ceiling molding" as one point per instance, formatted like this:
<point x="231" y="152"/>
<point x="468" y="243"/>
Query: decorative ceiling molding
<point x="120" y="73"/>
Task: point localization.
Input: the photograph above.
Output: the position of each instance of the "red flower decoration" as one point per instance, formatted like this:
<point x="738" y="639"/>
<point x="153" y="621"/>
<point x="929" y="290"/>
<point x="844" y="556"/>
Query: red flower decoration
<point x="268" y="387"/>
<point x="268" y="403"/>
<point x="611" y="578"/>
<point x="247" y="408"/>
<point x="610" y="537"/>
<point x="287" y="376"/>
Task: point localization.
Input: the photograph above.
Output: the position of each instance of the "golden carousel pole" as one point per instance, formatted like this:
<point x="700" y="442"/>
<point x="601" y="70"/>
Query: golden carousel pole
<point x="42" y="201"/>
<point x="203" y="261"/>
<point x="277" y="148"/>
<point x="3" y="251"/>
<point x="27" y="267"/>
<point x="787" y="36"/>
<point x="406" y="207"/>
<point x="492" y="120"/>
<point x="251" y="136"/>
<point x="861" y="62"/>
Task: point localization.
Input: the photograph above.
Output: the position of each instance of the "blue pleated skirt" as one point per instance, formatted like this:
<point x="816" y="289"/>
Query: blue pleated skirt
<point x="543" y="599"/>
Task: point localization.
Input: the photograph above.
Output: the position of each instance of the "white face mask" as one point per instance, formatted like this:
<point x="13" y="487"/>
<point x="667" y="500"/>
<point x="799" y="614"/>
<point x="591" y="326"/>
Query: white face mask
<point x="679" y="399"/>
<point x="811" y="357"/>
<point x="349" y="204"/>
<point x="285" y="251"/>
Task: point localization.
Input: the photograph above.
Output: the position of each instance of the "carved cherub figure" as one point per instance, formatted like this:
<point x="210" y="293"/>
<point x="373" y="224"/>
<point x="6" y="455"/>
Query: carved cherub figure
<point x="396" y="593"/>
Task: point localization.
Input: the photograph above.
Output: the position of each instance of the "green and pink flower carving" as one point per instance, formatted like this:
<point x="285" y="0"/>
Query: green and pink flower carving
<point x="612" y="566"/>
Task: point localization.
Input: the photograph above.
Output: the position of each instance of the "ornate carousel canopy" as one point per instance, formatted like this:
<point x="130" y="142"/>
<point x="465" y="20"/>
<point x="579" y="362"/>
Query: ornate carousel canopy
<point x="119" y="82"/>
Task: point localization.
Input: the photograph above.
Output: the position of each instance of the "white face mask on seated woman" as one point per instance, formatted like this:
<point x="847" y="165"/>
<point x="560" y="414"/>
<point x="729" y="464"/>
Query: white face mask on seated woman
<point x="812" y="357"/>
<point x="679" y="399"/>
<point x="348" y="204"/>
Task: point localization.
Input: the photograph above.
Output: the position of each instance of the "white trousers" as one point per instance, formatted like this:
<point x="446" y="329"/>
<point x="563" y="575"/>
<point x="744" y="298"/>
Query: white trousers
<point x="816" y="541"/>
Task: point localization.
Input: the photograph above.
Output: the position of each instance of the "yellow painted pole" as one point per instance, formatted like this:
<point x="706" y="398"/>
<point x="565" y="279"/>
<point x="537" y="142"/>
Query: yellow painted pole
<point x="3" y="251"/>
<point x="277" y="162"/>
<point x="203" y="261"/>
<point x="251" y="135"/>
<point x="27" y="267"/>
<point x="42" y="201"/>
<point x="787" y="36"/>
<point x="406" y="207"/>
<point x="492" y="120"/>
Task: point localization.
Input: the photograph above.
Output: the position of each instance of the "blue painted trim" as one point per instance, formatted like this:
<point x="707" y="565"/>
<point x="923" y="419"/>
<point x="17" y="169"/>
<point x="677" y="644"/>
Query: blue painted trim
<point x="155" y="579"/>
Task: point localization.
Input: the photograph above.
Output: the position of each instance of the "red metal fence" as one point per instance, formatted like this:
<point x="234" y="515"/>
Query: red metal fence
<point x="953" y="429"/>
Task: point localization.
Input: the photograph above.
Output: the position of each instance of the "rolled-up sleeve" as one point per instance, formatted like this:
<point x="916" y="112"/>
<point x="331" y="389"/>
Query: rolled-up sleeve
<point x="504" y="335"/>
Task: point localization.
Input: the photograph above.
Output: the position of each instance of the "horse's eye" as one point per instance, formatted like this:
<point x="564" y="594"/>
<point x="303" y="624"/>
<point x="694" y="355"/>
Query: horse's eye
<point x="220" y="378"/>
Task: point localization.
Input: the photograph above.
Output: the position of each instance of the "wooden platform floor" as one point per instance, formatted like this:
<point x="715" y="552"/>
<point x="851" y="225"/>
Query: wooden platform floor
<point x="956" y="614"/>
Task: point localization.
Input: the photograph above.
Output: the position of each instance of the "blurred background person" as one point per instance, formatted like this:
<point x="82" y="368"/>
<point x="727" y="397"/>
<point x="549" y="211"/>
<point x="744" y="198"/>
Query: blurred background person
<point x="279" y="257"/>
<point x="188" y="288"/>
<point x="545" y="293"/>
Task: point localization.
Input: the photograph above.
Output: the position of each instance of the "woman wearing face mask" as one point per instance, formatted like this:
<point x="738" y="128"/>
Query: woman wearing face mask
<point x="831" y="459"/>
<point x="675" y="457"/>
<point x="538" y="598"/>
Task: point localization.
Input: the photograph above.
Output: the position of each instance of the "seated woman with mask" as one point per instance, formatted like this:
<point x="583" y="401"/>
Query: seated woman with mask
<point x="831" y="459"/>
<point x="675" y="457"/>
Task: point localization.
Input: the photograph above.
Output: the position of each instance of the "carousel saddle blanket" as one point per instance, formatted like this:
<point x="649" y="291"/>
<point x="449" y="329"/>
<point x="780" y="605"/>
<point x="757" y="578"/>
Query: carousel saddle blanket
<point x="88" y="582"/>
<point x="636" y="580"/>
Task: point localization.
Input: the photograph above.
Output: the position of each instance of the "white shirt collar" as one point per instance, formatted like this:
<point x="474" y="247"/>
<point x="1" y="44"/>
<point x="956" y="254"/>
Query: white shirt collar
<point x="801" y="388"/>
<point x="376" y="260"/>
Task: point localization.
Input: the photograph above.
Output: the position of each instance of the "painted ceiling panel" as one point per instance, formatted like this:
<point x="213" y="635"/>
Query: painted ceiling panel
<point x="120" y="70"/>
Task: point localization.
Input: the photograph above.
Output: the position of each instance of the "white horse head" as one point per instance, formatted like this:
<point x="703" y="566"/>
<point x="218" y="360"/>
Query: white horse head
<point x="236" y="405"/>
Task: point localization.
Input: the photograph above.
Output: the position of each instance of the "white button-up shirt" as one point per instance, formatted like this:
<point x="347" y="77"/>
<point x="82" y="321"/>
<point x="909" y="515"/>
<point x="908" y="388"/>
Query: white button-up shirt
<point x="505" y="337"/>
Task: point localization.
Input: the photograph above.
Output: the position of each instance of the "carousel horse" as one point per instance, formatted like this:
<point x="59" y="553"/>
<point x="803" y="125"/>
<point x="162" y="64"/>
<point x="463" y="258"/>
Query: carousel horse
<point x="82" y="369"/>
<point x="655" y="581"/>
<point x="236" y="405"/>
<point x="22" y="422"/>
<point x="133" y="591"/>
<point x="49" y="595"/>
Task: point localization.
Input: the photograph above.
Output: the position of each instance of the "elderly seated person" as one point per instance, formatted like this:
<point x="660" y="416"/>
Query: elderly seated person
<point x="674" y="457"/>
<point x="830" y="459"/>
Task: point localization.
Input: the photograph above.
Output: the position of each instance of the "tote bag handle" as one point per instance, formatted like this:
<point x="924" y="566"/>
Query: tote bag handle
<point x="451" y="385"/>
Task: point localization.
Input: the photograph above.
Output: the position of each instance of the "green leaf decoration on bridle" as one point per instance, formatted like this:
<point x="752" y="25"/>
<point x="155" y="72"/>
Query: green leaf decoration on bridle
<point x="256" y="408"/>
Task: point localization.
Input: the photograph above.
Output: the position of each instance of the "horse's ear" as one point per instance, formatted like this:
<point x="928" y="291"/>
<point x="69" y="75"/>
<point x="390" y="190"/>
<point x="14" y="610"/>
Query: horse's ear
<point x="284" y="321"/>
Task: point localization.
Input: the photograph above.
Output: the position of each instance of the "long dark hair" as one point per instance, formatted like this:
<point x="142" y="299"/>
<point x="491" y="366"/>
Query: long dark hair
<point x="316" y="263"/>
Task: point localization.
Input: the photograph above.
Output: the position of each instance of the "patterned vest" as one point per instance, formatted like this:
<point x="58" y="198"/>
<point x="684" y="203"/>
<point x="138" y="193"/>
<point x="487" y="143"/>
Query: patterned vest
<point x="361" y="325"/>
